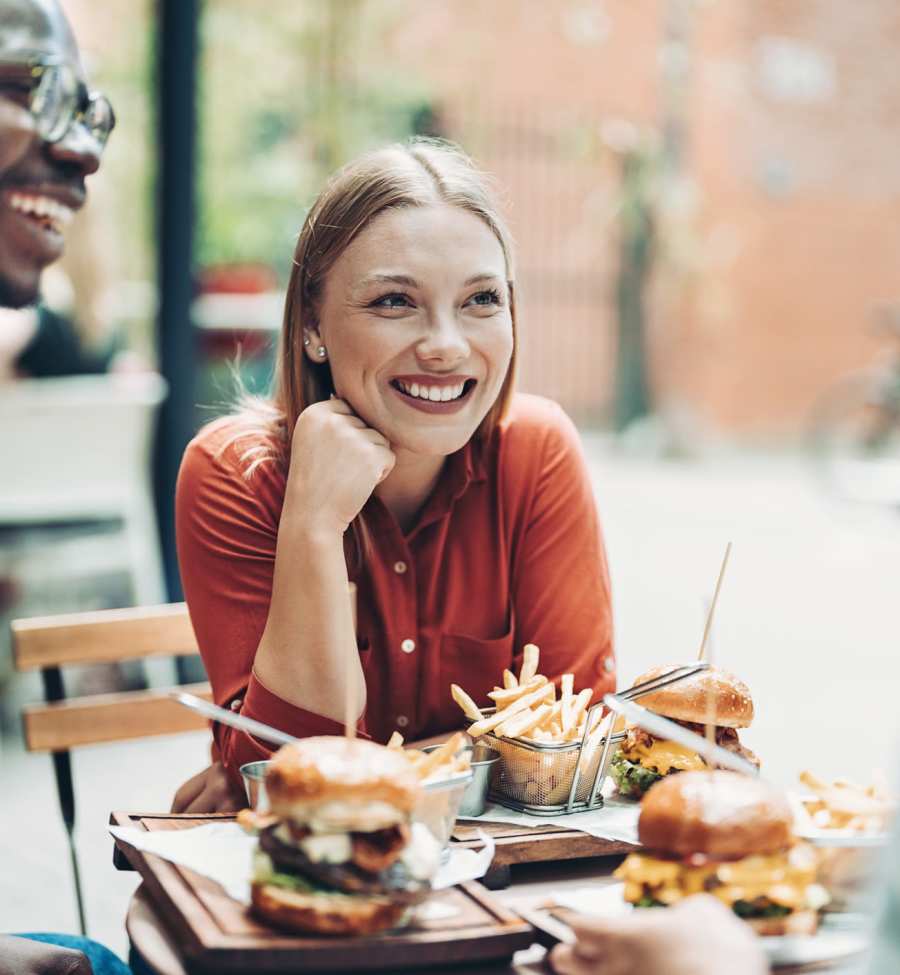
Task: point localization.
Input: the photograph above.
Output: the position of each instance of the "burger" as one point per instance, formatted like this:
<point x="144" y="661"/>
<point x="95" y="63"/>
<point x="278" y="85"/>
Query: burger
<point x="337" y="852"/>
<point x="731" y="836"/>
<point x="643" y="759"/>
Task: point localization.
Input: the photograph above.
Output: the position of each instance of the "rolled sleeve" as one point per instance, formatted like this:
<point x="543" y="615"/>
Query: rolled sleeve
<point x="261" y="704"/>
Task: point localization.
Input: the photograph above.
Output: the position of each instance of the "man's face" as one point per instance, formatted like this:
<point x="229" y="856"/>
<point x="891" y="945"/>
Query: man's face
<point x="41" y="184"/>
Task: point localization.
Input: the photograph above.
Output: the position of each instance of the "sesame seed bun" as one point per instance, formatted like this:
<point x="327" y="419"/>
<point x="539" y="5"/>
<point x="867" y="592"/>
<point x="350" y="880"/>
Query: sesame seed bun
<point x="342" y="783"/>
<point x="322" y="913"/>
<point x="689" y="699"/>
<point x="720" y="814"/>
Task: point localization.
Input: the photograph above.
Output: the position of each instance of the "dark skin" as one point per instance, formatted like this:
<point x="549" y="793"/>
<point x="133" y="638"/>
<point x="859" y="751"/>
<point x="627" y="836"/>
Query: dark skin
<point x="28" y="165"/>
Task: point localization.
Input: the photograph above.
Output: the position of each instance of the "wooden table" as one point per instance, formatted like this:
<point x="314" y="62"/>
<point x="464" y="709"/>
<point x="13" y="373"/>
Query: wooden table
<point x="531" y="884"/>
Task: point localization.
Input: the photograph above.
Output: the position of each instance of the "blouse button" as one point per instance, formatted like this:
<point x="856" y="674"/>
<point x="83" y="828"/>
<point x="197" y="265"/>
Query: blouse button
<point x="236" y="704"/>
<point x="408" y="646"/>
<point x="399" y="568"/>
<point x="402" y="721"/>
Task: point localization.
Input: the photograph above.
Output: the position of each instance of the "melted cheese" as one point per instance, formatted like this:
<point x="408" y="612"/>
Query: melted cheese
<point x="663" y="756"/>
<point x="787" y="879"/>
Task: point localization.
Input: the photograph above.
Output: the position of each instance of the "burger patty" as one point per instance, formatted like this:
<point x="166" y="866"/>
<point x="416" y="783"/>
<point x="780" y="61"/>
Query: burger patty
<point x="347" y="877"/>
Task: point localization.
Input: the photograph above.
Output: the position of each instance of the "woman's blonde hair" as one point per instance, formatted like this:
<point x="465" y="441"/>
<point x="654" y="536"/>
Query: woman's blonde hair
<point x="421" y="172"/>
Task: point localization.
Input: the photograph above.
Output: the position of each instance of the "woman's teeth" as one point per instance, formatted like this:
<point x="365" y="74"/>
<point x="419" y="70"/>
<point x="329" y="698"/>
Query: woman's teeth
<point x="57" y="216"/>
<point x="437" y="394"/>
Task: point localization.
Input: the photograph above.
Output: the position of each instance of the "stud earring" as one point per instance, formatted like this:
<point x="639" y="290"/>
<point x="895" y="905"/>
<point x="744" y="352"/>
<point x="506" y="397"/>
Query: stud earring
<point x="306" y="340"/>
<point x="321" y="351"/>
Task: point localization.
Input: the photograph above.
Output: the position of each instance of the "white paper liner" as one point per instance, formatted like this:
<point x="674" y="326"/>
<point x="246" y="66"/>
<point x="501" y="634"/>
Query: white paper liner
<point x="224" y="852"/>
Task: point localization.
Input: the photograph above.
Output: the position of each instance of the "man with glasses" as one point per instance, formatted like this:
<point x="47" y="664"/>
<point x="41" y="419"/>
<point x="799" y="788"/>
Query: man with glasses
<point x="53" y="130"/>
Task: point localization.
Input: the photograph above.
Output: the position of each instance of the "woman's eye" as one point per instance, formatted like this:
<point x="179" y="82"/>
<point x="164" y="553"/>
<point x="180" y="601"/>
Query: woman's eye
<point x="486" y="298"/>
<point x="392" y="301"/>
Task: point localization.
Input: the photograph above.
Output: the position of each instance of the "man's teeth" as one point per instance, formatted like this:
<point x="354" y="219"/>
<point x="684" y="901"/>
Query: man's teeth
<point x="51" y="211"/>
<point x="437" y="394"/>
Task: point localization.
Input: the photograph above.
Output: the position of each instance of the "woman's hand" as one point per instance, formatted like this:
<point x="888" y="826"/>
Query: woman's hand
<point x="698" y="936"/>
<point x="337" y="462"/>
<point x="209" y="791"/>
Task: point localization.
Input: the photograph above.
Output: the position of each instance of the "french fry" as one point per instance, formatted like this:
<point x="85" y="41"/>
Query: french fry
<point x="566" y="683"/>
<point x="522" y="704"/>
<point x="509" y="680"/>
<point x="443" y="753"/>
<point x="573" y="713"/>
<point x="469" y="708"/>
<point x="395" y="741"/>
<point x="503" y="698"/>
<point x="530" y="657"/>
<point x="846" y="805"/>
<point x="521" y="723"/>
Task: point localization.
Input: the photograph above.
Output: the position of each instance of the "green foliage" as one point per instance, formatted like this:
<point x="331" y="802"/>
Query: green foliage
<point x="285" y="99"/>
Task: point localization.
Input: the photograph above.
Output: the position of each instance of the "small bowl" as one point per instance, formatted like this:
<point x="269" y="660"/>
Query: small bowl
<point x="483" y="759"/>
<point x="254" y="776"/>
<point x="440" y="803"/>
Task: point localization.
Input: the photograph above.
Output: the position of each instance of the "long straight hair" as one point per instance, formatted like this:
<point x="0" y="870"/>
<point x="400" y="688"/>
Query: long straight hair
<point x="421" y="172"/>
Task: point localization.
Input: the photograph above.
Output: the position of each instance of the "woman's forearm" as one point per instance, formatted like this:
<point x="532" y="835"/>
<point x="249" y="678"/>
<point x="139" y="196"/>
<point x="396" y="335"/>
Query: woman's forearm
<point x="308" y="649"/>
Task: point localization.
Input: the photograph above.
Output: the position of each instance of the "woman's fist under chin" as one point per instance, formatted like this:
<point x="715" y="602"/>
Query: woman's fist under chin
<point x="336" y="464"/>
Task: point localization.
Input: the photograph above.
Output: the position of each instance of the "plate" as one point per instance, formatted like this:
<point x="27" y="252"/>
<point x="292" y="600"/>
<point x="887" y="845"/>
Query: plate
<point x="843" y="838"/>
<point x="833" y="942"/>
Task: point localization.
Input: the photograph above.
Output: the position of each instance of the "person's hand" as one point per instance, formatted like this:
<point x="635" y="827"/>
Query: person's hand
<point x="21" y="956"/>
<point x="336" y="464"/>
<point x="209" y="791"/>
<point x="698" y="936"/>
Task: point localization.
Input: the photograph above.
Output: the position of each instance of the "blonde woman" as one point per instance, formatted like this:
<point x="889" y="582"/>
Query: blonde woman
<point x="393" y="454"/>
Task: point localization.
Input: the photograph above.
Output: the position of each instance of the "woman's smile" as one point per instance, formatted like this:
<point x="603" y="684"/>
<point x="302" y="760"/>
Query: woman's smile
<point x="434" y="394"/>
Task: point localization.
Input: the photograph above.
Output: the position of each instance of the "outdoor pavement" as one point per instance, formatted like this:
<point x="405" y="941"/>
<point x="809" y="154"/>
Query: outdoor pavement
<point x="807" y="616"/>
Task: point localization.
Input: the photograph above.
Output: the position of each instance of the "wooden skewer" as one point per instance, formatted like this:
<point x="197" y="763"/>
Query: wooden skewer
<point x="712" y="606"/>
<point x="349" y="683"/>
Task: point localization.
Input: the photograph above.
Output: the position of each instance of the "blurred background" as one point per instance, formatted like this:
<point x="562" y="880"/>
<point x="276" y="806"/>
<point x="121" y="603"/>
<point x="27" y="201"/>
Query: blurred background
<point x="705" y="196"/>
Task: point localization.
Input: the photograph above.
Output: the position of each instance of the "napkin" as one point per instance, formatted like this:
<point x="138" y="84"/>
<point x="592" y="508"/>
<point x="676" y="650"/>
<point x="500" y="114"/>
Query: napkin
<point x="616" y="819"/>
<point x="224" y="853"/>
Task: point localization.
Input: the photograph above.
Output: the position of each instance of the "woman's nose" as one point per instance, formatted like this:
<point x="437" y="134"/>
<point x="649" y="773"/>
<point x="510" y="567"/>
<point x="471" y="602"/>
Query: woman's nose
<point x="445" y="340"/>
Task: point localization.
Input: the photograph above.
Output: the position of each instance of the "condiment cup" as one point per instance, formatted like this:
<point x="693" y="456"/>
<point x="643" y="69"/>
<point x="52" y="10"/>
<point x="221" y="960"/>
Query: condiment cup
<point x="254" y="774"/>
<point x="483" y="758"/>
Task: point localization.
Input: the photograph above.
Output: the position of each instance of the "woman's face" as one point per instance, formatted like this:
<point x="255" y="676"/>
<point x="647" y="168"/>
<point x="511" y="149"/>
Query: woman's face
<point x="416" y="320"/>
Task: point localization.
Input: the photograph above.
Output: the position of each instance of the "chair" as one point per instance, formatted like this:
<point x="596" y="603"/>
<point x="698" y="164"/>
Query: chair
<point x="78" y="449"/>
<point x="51" y="643"/>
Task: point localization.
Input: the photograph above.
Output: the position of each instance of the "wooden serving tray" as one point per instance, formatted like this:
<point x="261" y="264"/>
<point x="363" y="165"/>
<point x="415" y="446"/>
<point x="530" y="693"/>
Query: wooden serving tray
<point x="218" y="934"/>
<point x="522" y="844"/>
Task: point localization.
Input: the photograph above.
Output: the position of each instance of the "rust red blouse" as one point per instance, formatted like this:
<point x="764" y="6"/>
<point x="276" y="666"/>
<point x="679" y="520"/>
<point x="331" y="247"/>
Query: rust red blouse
<point x="507" y="551"/>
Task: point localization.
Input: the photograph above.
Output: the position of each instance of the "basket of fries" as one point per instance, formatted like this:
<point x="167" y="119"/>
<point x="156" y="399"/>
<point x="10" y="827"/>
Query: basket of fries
<point x="553" y="751"/>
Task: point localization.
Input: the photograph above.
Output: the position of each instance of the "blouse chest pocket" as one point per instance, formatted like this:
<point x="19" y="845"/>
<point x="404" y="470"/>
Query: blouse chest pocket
<point x="476" y="665"/>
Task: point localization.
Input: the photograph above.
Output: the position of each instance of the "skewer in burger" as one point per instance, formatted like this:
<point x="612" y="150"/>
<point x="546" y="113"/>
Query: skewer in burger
<point x="643" y="759"/>
<point x="338" y="853"/>
<point x="731" y="836"/>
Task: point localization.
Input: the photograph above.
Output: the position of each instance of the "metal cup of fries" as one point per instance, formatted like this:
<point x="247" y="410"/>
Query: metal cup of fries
<point x="554" y="752"/>
<point x="445" y="772"/>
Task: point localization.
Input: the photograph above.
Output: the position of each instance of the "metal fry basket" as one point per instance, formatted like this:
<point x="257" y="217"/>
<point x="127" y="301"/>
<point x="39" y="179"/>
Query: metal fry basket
<point x="558" y="778"/>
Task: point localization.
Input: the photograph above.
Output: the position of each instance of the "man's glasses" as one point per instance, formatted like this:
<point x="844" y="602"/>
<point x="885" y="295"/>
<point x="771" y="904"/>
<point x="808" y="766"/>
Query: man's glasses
<point x="57" y="99"/>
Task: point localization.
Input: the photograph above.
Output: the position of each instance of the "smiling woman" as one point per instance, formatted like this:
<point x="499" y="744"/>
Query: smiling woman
<point x="393" y="454"/>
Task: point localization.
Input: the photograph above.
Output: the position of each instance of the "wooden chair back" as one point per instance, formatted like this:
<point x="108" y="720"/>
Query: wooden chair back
<point x="51" y="643"/>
